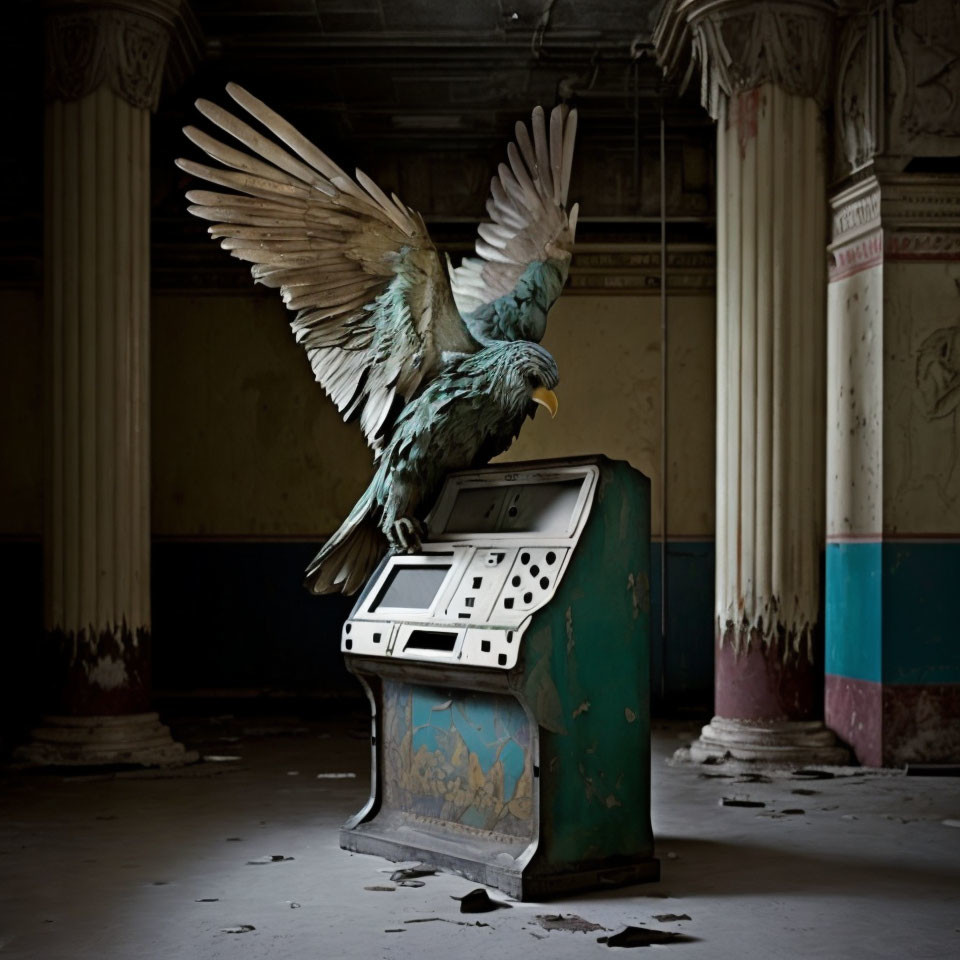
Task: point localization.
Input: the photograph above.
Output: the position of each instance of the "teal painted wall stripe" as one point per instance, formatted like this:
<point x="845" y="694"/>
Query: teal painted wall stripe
<point x="921" y="612"/>
<point x="893" y="611"/>
<point x="853" y="610"/>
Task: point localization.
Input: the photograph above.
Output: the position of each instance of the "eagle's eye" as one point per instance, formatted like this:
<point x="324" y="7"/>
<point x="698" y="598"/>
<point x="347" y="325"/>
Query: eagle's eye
<point x="533" y="381"/>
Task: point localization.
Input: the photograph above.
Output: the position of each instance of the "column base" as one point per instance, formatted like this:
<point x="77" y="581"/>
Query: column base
<point x="791" y="742"/>
<point x="136" y="739"/>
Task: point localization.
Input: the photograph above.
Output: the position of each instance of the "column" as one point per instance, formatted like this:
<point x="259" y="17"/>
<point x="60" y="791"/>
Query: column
<point x="764" y="77"/>
<point x="104" y="67"/>
<point x="893" y="402"/>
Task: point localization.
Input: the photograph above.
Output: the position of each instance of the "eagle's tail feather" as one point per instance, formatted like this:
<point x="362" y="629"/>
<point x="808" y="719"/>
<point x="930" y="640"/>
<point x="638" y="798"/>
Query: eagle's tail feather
<point x="347" y="559"/>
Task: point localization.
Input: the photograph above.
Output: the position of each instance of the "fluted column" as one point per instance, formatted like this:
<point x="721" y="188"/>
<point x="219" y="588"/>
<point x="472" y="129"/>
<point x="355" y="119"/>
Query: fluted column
<point x="764" y="72"/>
<point x="104" y="68"/>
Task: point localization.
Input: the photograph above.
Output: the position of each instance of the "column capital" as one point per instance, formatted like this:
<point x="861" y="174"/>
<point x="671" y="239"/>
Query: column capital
<point x="741" y="44"/>
<point x="122" y="43"/>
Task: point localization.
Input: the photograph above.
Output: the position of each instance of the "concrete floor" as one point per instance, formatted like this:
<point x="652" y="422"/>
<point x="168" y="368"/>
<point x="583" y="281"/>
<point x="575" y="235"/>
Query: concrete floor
<point x="121" y="866"/>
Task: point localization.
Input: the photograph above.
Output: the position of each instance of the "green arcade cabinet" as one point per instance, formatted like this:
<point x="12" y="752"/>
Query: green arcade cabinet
<point x="507" y="667"/>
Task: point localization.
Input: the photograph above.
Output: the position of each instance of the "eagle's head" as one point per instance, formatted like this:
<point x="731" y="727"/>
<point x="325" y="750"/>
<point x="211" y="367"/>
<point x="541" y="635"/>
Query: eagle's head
<point x="524" y="372"/>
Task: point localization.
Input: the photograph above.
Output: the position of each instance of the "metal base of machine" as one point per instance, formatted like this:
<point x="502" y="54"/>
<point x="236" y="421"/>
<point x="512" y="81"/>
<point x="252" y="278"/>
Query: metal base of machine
<point x="137" y="739"/>
<point x="789" y="742"/>
<point x="495" y="865"/>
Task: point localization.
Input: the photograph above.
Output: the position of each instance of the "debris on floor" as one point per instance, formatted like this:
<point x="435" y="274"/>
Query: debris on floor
<point x="336" y="776"/>
<point x="735" y="802"/>
<point x="805" y="792"/>
<point x="670" y="917"/>
<point x="412" y="873"/>
<point x="269" y="858"/>
<point x="795" y="811"/>
<point x="479" y="901"/>
<point x="460" y="923"/>
<point x="220" y="758"/>
<point x="571" y="923"/>
<point x="643" y="937"/>
<point x="240" y="928"/>
<point x="951" y="823"/>
<point x="394" y="930"/>
<point x="380" y="888"/>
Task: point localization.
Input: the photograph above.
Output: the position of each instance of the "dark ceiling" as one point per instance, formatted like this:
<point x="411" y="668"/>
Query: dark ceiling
<point x="422" y="94"/>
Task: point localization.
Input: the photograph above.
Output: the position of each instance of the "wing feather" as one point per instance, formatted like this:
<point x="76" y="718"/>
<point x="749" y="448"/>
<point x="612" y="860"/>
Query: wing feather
<point x="374" y="306"/>
<point x="524" y="250"/>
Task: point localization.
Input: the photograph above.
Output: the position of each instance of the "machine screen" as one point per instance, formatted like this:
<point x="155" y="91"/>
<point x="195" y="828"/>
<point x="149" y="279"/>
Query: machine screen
<point x="410" y="587"/>
<point x="545" y="508"/>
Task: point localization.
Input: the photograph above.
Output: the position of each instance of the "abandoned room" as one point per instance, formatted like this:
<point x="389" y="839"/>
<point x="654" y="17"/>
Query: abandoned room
<point x="480" y="479"/>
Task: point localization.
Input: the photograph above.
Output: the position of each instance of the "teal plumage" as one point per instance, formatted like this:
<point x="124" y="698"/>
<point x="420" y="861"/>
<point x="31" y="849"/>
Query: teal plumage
<point x="440" y="367"/>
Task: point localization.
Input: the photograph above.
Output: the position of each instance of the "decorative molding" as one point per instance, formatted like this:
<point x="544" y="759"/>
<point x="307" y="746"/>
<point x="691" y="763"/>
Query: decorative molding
<point x="122" y="43"/>
<point x="742" y="44"/>
<point x="923" y="40"/>
<point x="894" y="217"/>
<point x="859" y="113"/>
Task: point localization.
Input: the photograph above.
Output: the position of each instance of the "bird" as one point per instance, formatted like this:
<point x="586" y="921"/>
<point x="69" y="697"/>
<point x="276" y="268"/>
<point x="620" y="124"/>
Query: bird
<point x="441" y="365"/>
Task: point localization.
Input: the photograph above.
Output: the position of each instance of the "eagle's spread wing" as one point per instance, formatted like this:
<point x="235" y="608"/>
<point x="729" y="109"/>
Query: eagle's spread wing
<point x="525" y="248"/>
<point x="374" y="306"/>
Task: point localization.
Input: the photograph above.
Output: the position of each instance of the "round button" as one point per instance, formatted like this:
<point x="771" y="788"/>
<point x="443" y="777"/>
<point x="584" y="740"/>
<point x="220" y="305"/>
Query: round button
<point x="512" y="512"/>
<point x="524" y="558"/>
<point x="544" y="583"/>
<point x="527" y="597"/>
<point x="534" y="570"/>
<point x="551" y="558"/>
<point x="516" y="581"/>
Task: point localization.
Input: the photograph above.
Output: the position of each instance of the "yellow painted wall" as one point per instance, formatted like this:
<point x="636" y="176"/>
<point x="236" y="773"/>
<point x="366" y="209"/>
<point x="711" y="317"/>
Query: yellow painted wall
<point x="245" y="443"/>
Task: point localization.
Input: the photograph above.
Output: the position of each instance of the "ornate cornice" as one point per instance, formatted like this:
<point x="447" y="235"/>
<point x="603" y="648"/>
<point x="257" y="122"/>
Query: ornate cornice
<point x="122" y="43"/>
<point x="741" y="44"/>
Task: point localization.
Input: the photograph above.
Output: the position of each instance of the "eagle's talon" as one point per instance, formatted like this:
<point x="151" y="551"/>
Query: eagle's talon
<point x="405" y="534"/>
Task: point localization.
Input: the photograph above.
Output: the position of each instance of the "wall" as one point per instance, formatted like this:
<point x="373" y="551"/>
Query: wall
<point x="893" y="520"/>
<point x="252" y="468"/>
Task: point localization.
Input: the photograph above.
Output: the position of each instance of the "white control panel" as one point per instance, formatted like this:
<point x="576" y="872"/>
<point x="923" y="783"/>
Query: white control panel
<point x="498" y="546"/>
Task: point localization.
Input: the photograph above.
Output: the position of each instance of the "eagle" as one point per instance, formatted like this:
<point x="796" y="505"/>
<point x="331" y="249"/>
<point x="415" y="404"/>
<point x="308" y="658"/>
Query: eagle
<point x="440" y="365"/>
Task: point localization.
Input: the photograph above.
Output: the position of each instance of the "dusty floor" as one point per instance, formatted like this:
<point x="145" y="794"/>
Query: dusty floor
<point x="156" y="865"/>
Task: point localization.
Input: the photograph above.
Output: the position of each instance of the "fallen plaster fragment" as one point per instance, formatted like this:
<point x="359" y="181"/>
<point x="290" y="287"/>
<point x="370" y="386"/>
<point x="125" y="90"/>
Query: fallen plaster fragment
<point x="583" y="708"/>
<point x="240" y="928"/>
<point x="336" y="776"/>
<point x="670" y="917"/>
<point x="220" y="758"/>
<point x="643" y="937"/>
<point x="410" y="883"/>
<point x="629" y="714"/>
<point x="293" y="904"/>
<point x="734" y="802"/>
<point x="412" y="873"/>
<point x="479" y="901"/>
<point x="269" y="858"/>
<point x="571" y="923"/>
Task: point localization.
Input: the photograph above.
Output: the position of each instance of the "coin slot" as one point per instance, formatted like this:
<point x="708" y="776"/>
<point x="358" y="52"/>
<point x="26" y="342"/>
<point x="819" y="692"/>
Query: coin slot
<point x="430" y="640"/>
<point x="464" y="616"/>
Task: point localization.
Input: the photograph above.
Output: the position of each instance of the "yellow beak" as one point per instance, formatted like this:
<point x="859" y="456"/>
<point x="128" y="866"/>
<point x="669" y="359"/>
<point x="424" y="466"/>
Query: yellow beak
<point x="546" y="398"/>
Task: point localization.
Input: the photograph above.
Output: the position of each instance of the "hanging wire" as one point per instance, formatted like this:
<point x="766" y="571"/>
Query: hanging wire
<point x="663" y="403"/>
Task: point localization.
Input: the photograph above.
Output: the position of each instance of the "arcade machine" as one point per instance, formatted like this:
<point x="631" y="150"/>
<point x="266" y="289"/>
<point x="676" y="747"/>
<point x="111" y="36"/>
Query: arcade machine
<point x="507" y="670"/>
